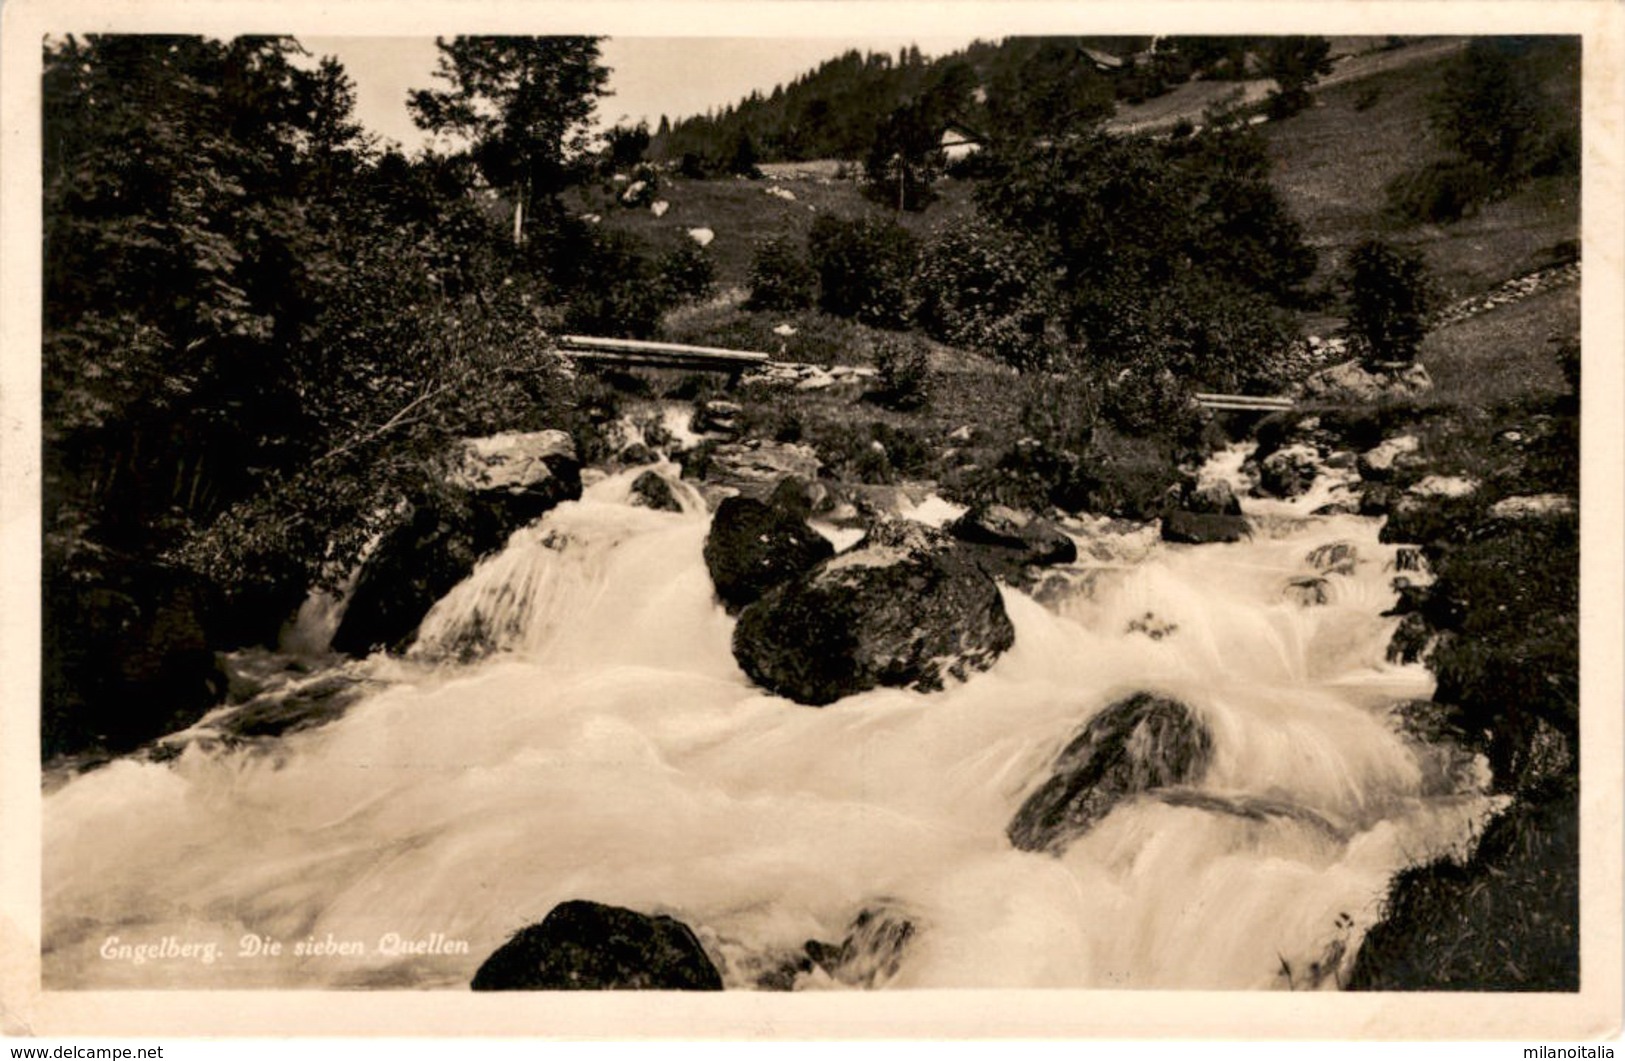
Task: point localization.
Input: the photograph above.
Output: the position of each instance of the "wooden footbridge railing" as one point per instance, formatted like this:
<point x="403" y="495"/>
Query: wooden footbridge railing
<point x="640" y="353"/>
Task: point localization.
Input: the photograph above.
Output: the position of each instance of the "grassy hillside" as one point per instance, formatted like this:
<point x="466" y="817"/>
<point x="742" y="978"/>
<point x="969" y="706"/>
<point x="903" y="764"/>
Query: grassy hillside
<point x="1334" y="162"/>
<point x="744" y="213"/>
<point x="1332" y="165"/>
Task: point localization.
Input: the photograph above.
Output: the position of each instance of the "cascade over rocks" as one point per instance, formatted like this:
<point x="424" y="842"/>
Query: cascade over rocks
<point x="868" y="957"/>
<point x="902" y="608"/>
<point x="1136" y="745"/>
<point x="753" y="546"/>
<point x="496" y="485"/>
<point x="586" y="946"/>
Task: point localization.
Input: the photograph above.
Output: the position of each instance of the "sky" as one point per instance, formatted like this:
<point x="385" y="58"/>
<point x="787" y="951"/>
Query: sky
<point x="650" y="76"/>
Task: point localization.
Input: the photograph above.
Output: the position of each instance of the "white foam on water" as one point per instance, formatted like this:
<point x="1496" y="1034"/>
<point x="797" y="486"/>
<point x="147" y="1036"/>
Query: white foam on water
<point x="604" y="745"/>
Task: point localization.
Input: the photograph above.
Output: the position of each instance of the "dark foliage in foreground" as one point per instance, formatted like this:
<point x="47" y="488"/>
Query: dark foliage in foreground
<point x="260" y="333"/>
<point x="1505" y="920"/>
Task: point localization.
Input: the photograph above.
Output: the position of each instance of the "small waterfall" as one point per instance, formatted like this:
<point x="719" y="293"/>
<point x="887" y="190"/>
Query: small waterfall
<point x="571" y="724"/>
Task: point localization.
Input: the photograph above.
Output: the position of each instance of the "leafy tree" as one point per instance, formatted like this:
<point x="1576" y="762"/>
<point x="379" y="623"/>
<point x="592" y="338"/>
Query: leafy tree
<point x="1489" y="111"/>
<point x="1388" y="301"/>
<point x="523" y="104"/>
<point x="904" y="159"/>
<point x="1295" y="63"/>
<point x="626" y="145"/>
<point x="1170" y="253"/>
<point x="1053" y="91"/>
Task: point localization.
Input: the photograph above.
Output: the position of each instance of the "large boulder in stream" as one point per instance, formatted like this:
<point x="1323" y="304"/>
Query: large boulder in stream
<point x="586" y="946"/>
<point x="754" y="545"/>
<point x="905" y="607"/>
<point x="1202" y="528"/>
<point x="1020" y="538"/>
<point x="495" y="486"/>
<point x="1134" y="746"/>
<point x="1289" y="471"/>
<point x="511" y="479"/>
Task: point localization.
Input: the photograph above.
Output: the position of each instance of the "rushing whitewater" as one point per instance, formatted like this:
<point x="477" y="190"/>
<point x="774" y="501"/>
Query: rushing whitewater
<point x="572" y="725"/>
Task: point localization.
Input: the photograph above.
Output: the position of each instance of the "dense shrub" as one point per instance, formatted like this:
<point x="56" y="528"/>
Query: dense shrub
<point x="1442" y="191"/>
<point x="864" y="269"/>
<point x="687" y="272"/>
<point x="1204" y="330"/>
<point x="614" y="287"/>
<point x="781" y="278"/>
<point x="1388" y="301"/>
<point x="978" y="287"/>
<point x="904" y="366"/>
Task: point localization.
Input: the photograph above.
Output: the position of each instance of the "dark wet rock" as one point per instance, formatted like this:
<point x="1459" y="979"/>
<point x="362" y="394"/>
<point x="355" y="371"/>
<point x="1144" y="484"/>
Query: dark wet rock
<point x="801" y="497"/>
<point x="905" y="607"/>
<point x="416" y="563"/>
<point x="651" y="490"/>
<point x="753" y="546"/>
<point x="1377" y="499"/>
<point x="586" y="946"/>
<point x="1136" y="745"/>
<point x="1341" y="460"/>
<point x="1334" y="558"/>
<point x="1289" y="471"/>
<point x="636" y="453"/>
<point x="1412" y="640"/>
<point x="1409" y="558"/>
<point x="1197" y="528"/>
<point x="1338" y="508"/>
<point x="1211" y="498"/>
<point x="868" y="956"/>
<point x="497" y="485"/>
<point x="1307" y="592"/>
<point x="872" y="951"/>
<point x="1028" y="539"/>
<point x="1151" y="626"/>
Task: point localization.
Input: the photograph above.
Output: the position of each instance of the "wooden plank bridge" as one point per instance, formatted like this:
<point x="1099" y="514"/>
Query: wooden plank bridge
<point x="1242" y="403"/>
<point x="642" y="353"/>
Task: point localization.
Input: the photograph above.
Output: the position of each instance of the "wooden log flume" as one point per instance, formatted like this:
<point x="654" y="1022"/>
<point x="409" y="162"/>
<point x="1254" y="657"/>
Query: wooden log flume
<point x="640" y="353"/>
